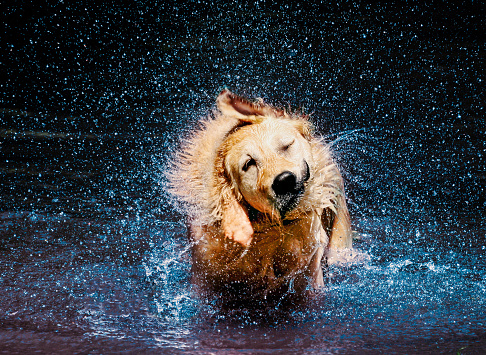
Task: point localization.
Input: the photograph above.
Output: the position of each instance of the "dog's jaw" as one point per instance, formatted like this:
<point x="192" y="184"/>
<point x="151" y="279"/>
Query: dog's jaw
<point x="288" y="202"/>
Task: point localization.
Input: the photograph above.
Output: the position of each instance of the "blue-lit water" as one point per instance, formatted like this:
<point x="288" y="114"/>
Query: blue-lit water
<point x="95" y="99"/>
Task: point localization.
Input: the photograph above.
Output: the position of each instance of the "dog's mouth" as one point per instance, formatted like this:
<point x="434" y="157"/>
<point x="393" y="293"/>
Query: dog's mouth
<point x="286" y="203"/>
<point x="289" y="190"/>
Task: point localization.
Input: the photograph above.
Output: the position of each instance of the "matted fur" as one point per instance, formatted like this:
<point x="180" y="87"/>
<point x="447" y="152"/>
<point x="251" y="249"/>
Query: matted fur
<point x="256" y="246"/>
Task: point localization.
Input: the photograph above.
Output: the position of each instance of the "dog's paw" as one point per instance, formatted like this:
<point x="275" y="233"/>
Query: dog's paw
<point x="239" y="231"/>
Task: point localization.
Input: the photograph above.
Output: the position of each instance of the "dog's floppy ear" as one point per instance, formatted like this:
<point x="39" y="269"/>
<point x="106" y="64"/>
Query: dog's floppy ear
<point x="235" y="106"/>
<point x="235" y="220"/>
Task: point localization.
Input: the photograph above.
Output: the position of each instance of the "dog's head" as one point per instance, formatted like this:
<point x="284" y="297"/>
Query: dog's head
<point x="267" y="157"/>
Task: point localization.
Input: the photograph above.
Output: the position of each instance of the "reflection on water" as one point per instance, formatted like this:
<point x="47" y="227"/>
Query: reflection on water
<point x="94" y="99"/>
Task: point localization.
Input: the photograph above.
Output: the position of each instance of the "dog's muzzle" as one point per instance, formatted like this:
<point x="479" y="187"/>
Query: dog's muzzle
<point x="288" y="190"/>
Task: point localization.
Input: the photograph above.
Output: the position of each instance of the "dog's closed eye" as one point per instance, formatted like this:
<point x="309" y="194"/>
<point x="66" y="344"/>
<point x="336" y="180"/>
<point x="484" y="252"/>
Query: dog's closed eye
<point x="287" y="145"/>
<point x="248" y="164"/>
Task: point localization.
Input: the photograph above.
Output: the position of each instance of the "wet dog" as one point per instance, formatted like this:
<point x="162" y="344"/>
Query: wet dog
<point x="265" y="200"/>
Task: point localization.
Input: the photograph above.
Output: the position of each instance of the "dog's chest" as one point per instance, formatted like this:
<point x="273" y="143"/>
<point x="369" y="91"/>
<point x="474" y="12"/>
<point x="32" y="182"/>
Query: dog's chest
<point x="290" y="246"/>
<point x="276" y="253"/>
<point x="307" y="229"/>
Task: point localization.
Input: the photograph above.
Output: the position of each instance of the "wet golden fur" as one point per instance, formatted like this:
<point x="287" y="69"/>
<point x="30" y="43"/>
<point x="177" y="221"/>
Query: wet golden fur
<point x="264" y="198"/>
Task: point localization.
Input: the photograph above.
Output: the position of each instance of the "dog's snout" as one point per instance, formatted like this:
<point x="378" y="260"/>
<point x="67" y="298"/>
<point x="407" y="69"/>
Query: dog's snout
<point x="284" y="183"/>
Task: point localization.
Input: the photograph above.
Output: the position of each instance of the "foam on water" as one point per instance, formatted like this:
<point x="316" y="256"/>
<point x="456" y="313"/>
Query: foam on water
<point x="168" y="269"/>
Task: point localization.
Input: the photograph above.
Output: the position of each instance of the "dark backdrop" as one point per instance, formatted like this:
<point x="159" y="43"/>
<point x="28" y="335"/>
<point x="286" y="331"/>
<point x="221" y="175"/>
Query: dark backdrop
<point x="90" y="91"/>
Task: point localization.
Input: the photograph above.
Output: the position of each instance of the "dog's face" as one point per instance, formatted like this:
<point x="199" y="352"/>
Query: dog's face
<point x="268" y="164"/>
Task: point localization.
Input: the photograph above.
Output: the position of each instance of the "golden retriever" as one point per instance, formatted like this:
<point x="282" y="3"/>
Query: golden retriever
<point x="265" y="200"/>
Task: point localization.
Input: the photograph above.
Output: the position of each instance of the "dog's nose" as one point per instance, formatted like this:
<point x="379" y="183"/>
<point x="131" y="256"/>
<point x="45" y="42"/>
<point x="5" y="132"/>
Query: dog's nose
<point x="284" y="183"/>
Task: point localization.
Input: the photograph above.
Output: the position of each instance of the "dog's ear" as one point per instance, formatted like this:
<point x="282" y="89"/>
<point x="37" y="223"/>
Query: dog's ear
<point x="340" y="224"/>
<point x="341" y="229"/>
<point x="236" y="223"/>
<point x="235" y="220"/>
<point x="250" y="112"/>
